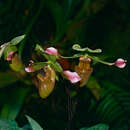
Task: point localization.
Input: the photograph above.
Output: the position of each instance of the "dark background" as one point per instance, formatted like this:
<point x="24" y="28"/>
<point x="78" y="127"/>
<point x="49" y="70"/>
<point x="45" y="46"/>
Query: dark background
<point x="101" y="24"/>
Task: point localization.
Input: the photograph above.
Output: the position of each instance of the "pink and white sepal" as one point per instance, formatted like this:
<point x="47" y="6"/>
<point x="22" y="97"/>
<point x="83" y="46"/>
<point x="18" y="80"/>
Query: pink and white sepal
<point x="73" y="77"/>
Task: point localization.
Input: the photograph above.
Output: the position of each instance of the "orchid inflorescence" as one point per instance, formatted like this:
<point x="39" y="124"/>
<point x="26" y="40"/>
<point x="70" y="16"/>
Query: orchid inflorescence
<point x="44" y="73"/>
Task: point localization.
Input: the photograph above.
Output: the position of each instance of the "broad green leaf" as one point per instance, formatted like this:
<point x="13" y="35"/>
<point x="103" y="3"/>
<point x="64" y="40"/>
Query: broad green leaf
<point x="17" y="40"/>
<point x="8" y="125"/>
<point x="111" y="107"/>
<point x="11" y="108"/>
<point x="6" y="79"/>
<point x="26" y="127"/>
<point x="97" y="127"/>
<point x="34" y="124"/>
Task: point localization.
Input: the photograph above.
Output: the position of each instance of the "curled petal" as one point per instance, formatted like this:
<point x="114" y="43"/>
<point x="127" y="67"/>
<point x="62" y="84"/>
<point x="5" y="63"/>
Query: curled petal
<point x="10" y="56"/>
<point x="120" y="63"/>
<point x="51" y="51"/>
<point x="73" y="77"/>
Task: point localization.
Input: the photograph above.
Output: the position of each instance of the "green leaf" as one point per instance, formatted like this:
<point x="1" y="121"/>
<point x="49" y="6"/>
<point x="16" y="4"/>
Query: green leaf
<point x="17" y="40"/>
<point x="11" y="108"/>
<point x="39" y="65"/>
<point x="39" y="49"/>
<point x="34" y="124"/>
<point x="57" y="67"/>
<point x="2" y="51"/>
<point x="97" y="127"/>
<point x="114" y="105"/>
<point x="6" y="79"/>
<point x="26" y="127"/>
<point x="8" y="125"/>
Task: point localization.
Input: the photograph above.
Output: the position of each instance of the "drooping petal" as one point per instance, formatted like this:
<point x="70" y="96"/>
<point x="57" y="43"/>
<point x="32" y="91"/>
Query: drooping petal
<point x="73" y="77"/>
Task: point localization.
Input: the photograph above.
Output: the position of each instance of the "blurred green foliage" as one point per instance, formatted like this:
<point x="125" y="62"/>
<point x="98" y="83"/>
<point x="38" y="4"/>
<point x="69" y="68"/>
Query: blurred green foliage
<point x="101" y="24"/>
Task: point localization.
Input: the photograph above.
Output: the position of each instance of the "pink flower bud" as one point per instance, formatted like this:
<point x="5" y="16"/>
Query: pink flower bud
<point x="51" y="51"/>
<point x="72" y="76"/>
<point x="10" y="56"/>
<point x="120" y="63"/>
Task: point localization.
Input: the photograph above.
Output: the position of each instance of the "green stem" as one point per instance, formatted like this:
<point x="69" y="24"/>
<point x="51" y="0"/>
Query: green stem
<point x="72" y="57"/>
<point x="98" y="60"/>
